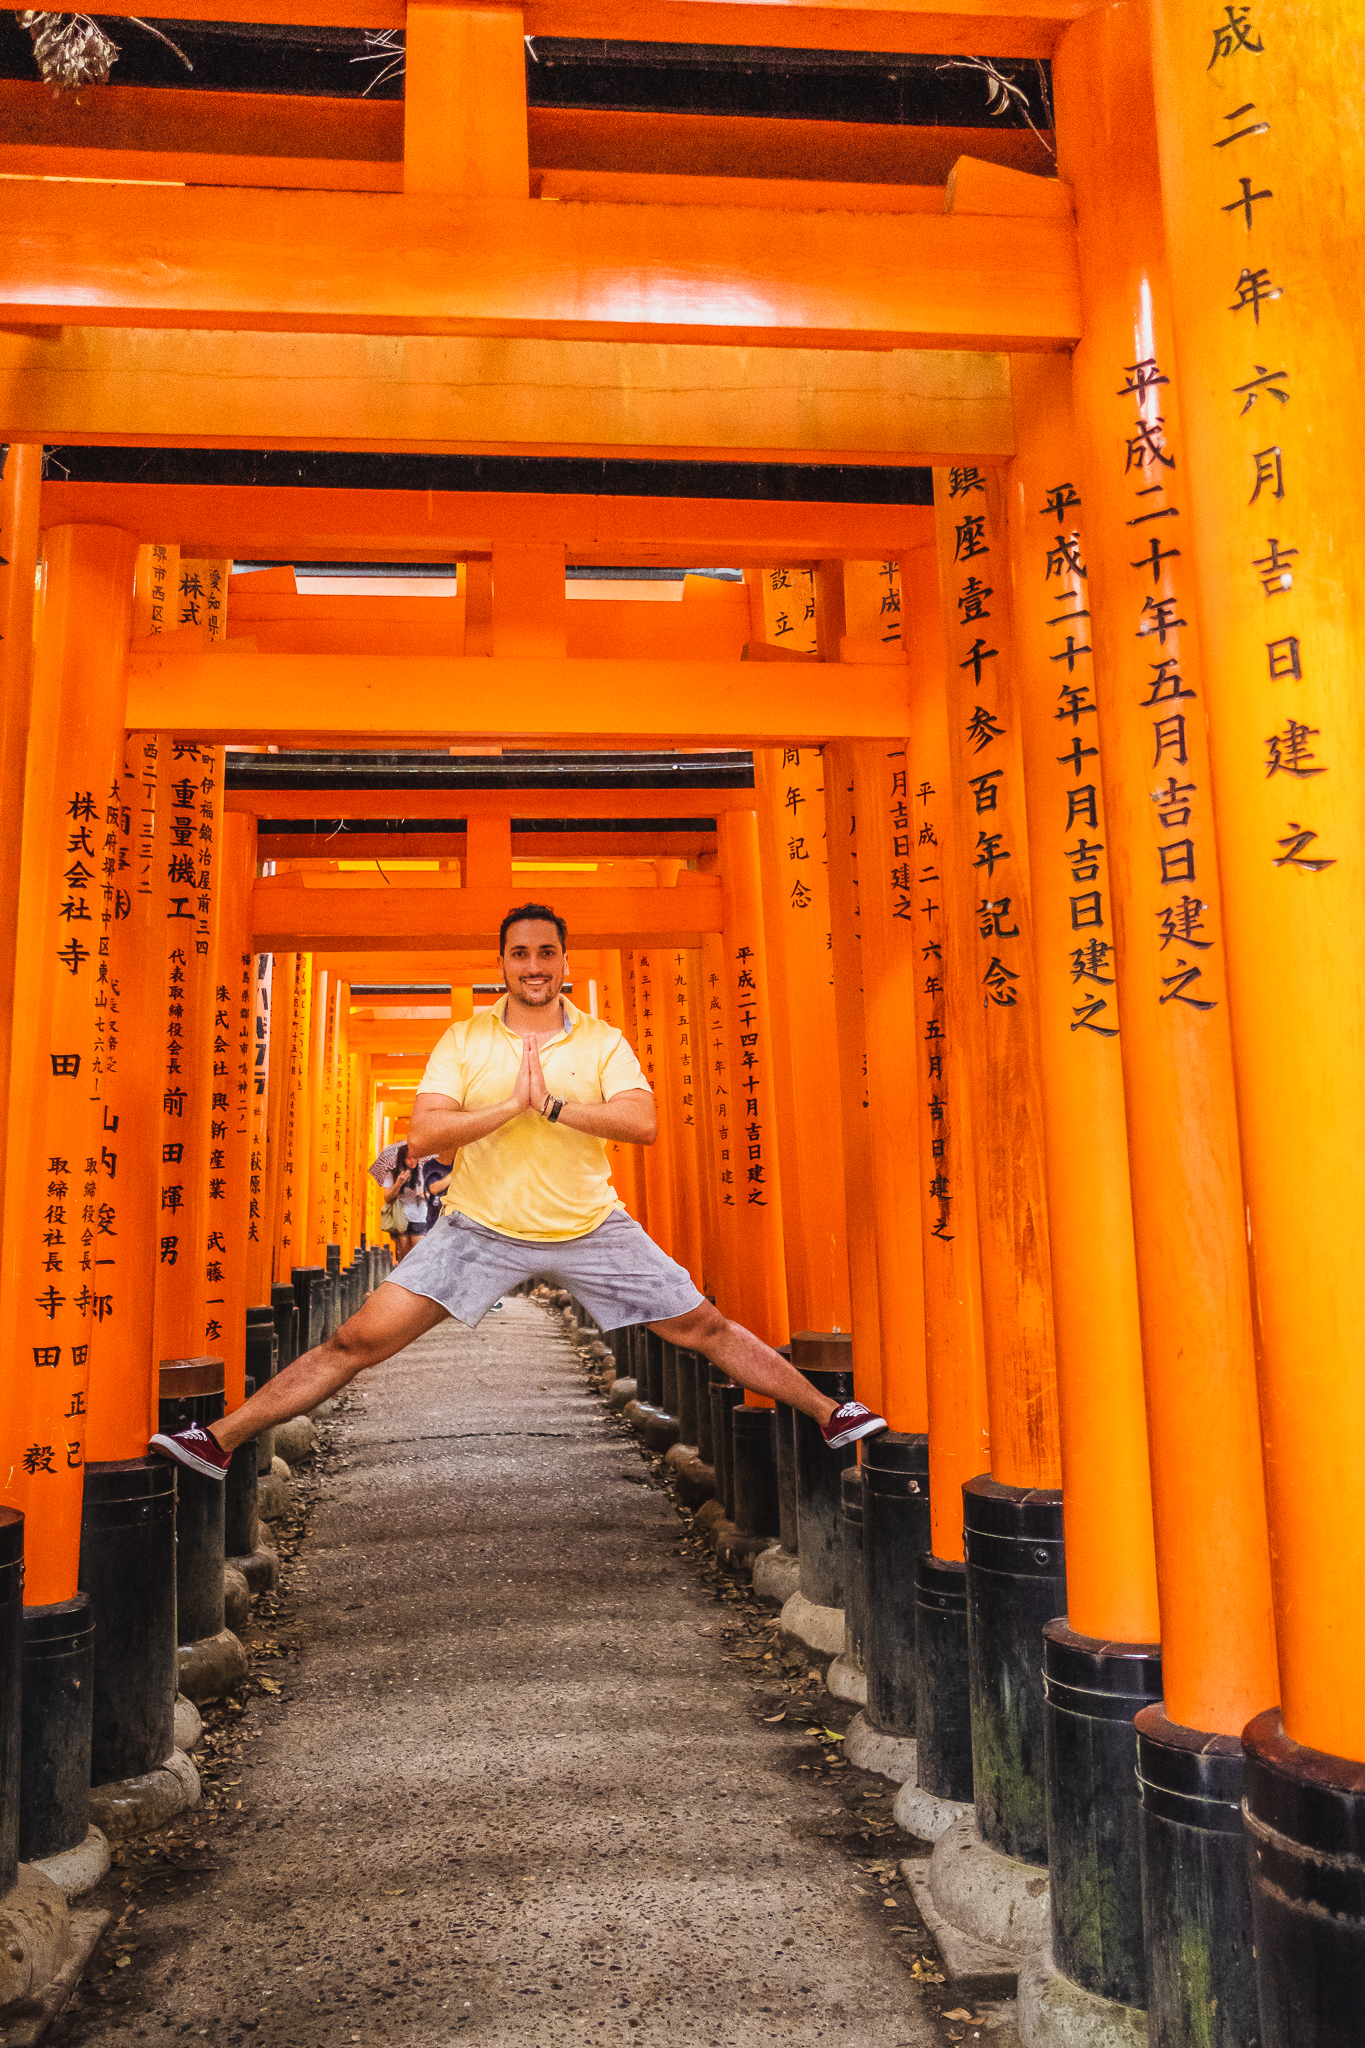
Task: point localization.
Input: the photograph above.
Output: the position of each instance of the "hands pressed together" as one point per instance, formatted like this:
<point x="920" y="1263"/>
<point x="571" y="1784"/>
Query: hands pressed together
<point x="530" y="1090"/>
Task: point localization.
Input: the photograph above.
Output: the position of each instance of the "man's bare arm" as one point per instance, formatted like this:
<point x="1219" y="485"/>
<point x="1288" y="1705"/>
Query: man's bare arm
<point x="439" y="1125"/>
<point x="630" y="1117"/>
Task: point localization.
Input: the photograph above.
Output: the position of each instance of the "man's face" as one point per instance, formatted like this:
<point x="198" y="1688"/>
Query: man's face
<point x="533" y="963"/>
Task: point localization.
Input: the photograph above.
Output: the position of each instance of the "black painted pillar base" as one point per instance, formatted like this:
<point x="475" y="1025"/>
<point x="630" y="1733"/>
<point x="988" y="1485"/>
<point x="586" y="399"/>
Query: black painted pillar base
<point x="59" y="1698"/>
<point x="943" y="1713"/>
<point x="1304" y="1813"/>
<point x="1016" y="1582"/>
<point x="239" y="1496"/>
<point x="286" y="1313"/>
<point x="668" y="1378"/>
<point x="687" y="1398"/>
<point x="895" y="1532"/>
<point x="706" y="1435"/>
<point x="852" y="1516"/>
<point x="826" y="1360"/>
<point x="786" y="1478"/>
<point x="11" y="1689"/>
<point x="128" y="1569"/>
<point x="192" y="1391"/>
<point x="652" y="1382"/>
<point x="1094" y="1690"/>
<point x="724" y="1396"/>
<point x="1196" y="1897"/>
<point x="309" y="1304"/>
<point x="754" y="1451"/>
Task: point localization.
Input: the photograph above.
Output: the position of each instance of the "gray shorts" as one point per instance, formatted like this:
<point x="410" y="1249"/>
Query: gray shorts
<point x="616" y="1271"/>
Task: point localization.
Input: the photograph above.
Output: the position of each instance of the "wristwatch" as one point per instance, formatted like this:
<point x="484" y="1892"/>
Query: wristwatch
<point x="551" y="1107"/>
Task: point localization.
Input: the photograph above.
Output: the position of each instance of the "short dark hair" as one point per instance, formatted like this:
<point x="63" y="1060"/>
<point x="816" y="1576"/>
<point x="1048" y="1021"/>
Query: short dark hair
<point x="535" y="913"/>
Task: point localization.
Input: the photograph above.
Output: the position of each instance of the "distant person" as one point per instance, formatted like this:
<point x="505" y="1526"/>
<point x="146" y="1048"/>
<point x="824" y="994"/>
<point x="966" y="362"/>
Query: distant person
<point x="408" y="1183"/>
<point x="526" y="1096"/>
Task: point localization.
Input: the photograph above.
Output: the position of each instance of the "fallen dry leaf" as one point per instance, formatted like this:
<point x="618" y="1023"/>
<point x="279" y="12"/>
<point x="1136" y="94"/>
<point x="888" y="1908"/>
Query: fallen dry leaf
<point x="958" y="2013"/>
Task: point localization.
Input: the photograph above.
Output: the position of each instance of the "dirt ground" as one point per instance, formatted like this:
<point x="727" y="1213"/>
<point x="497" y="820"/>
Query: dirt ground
<point x="515" y="1764"/>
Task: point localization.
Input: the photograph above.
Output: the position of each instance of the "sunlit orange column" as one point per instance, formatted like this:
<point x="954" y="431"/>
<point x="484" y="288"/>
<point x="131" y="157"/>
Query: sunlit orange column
<point x="338" y="1230"/>
<point x="1264" y="245"/>
<point x="624" y="1159"/>
<point x="789" y="783"/>
<point x="292" y="1182"/>
<point x="189" y="854"/>
<point x="955" y="1362"/>
<point x="1111" y="1567"/>
<point x="841" y="841"/>
<point x="313" y="1239"/>
<point x="1188" y="1210"/>
<point x="259" y="1274"/>
<point x="630" y="1024"/>
<point x="50" y="1293"/>
<point x="228" y="1250"/>
<point x="21" y="474"/>
<point x="130" y="1003"/>
<point x="720" y="1109"/>
<point x="988" y="797"/>
<point x="660" y="1187"/>
<point x="283" y="976"/>
<point x="881" y="798"/>
<point x="753" y="1126"/>
<point x="712" y="1254"/>
<point x="675" y="1025"/>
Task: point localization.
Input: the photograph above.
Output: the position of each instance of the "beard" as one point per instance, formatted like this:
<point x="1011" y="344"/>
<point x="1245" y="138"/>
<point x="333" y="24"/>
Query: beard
<point x="535" y="999"/>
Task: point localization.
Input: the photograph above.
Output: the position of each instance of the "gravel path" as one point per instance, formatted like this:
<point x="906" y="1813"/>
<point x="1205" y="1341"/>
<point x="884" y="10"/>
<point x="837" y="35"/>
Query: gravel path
<point x="511" y="1789"/>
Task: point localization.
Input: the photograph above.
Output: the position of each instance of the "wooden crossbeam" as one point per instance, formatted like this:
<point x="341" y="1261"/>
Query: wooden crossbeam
<point x="307" y="699"/>
<point x="390" y="264"/>
<point x="403" y="919"/>
<point x="1000" y="28"/>
<point x="282" y="524"/>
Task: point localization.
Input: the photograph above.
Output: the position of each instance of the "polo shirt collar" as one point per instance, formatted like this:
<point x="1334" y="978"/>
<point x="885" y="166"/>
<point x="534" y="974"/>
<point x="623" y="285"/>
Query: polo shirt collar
<point x="572" y="1017"/>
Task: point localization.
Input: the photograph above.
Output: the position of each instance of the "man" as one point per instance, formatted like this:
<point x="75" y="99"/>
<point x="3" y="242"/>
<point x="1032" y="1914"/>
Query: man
<point x="525" y="1095"/>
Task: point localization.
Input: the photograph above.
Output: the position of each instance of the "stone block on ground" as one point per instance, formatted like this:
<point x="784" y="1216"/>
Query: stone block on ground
<point x="236" y="1598"/>
<point x="295" y="1441"/>
<point x="274" y="1491"/>
<point x="975" y="1969"/>
<point x="261" y="1569"/>
<point x="890" y="1756"/>
<point x="622" y="1392"/>
<point x="777" y="1575"/>
<point x="708" y="1514"/>
<point x="31" y="2019"/>
<point x="995" y="1898"/>
<point x="211" y="1667"/>
<point x="847" y="1681"/>
<point x="134" y="1806"/>
<point x="924" y="1814"/>
<point x="1055" y="2013"/>
<point x="189" y="1726"/>
<point x="736" y="1551"/>
<point x="77" y="1870"/>
<point x="819" y="1628"/>
<point x="660" y="1432"/>
<point x="696" y="1484"/>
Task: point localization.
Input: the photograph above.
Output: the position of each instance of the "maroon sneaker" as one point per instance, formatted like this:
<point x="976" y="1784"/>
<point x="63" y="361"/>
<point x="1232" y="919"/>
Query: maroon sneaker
<point x="198" y="1451"/>
<point x="848" y="1423"/>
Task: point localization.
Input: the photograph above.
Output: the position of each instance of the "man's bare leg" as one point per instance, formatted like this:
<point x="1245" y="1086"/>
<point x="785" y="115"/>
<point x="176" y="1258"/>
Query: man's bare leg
<point x="390" y="1319"/>
<point x="747" y="1359"/>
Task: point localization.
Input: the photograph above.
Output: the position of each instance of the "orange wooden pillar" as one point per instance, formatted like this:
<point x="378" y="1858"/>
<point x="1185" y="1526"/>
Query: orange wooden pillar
<point x="283" y="978"/>
<point x="50" y="1289"/>
<point x="21" y="472"/>
<point x="724" y="1287"/>
<point x="292" y="1182"/>
<point x="1112" y="1623"/>
<point x="464" y="114"/>
<point x="630" y="1024"/>
<point x="189" y="854"/>
<point x="122" y="1402"/>
<point x="753" y="1127"/>
<point x="1021" y="1498"/>
<point x="1265" y="284"/>
<point x="789" y="783"/>
<point x="1111" y="1568"/>
<point x="1268" y="267"/>
<point x="881" y="800"/>
<point x="955" y="1368"/>
<point x="625" y="1159"/>
<point x="228" y="1248"/>
<point x="679" y="1052"/>
<point x="660" y="1189"/>
<point x="338" y="1231"/>
<point x="259" y="1276"/>
<point x="1188" y="1206"/>
<point x="841" y="841"/>
<point x="313" y="1237"/>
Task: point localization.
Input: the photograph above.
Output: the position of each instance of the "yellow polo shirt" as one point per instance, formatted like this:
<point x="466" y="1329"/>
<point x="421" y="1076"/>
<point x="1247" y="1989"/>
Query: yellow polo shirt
<point x="532" y="1179"/>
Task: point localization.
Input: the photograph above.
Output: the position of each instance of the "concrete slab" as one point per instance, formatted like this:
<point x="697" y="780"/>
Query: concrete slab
<point x="819" y="1628"/>
<point x="1055" y="2013"/>
<point x="78" y="1870"/>
<point x="891" y="1756"/>
<point x="513" y="1791"/>
<point x="976" y="1969"/>
<point x="847" y="1681"/>
<point x="925" y="1814"/>
<point x="777" y="1575"/>
<point x="992" y="1897"/>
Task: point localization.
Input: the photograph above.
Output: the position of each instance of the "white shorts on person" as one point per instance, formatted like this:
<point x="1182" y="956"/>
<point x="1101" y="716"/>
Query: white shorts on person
<point x="617" y="1271"/>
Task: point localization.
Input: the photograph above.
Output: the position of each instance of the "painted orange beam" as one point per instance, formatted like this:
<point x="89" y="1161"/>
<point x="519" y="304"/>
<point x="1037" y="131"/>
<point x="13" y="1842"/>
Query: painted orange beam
<point x="380" y="263"/>
<point x="465" y="803"/>
<point x="403" y="919"/>
<point x="299" y="700"/>
<point x="1000" y="28"/>
<point x="363" y="845"/>
<point x="253" y="525"/>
